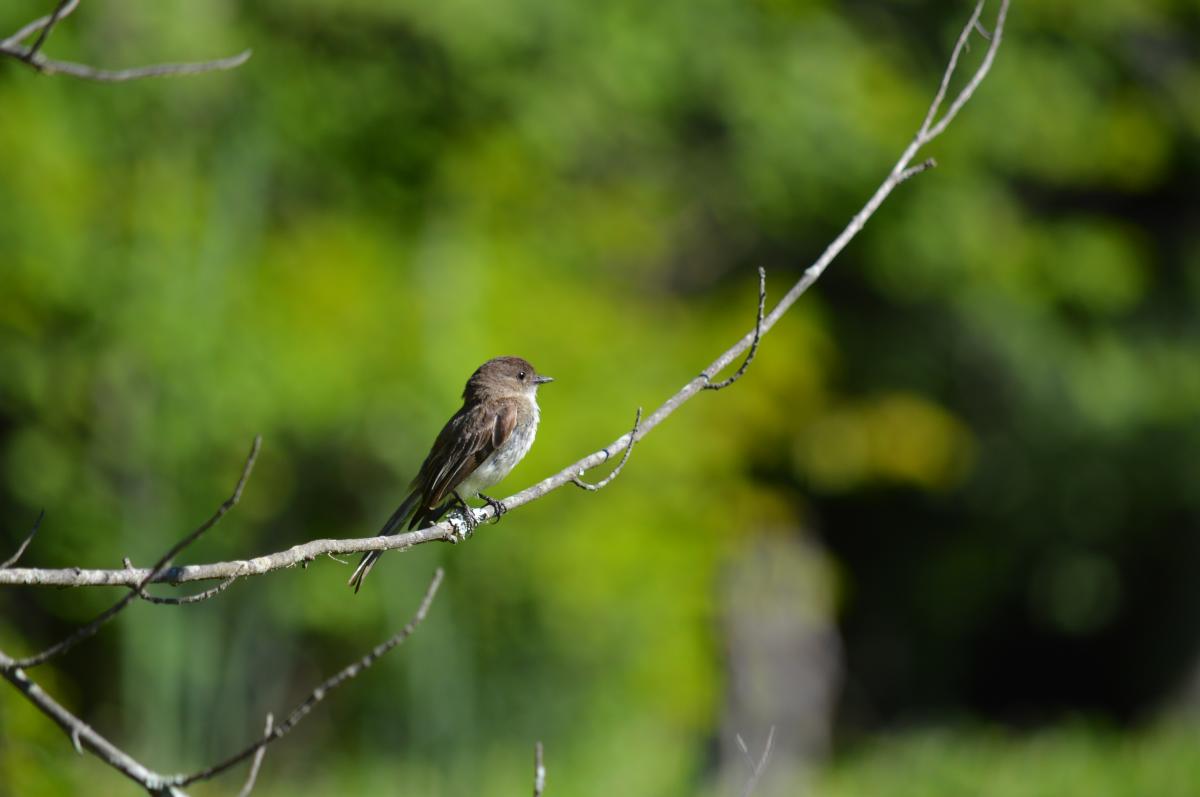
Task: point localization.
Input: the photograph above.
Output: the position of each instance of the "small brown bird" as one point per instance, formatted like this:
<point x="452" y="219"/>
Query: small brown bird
<point x="475" y="449"/>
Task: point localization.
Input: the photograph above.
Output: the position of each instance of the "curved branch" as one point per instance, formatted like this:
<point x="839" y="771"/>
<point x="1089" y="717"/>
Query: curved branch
<point x="447" y="530"/>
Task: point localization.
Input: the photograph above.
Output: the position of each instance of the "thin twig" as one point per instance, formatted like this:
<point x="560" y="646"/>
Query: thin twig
<point x="41" y="22"/>
<point x="600" y="485"/>
<point x="49" y="66"/>
<point x="212" y="592"/>
<point x="539" y="771"/>
<point x="180" y="601"/>
<point x="984" y="67"/>
<point x="258" y="759"/>
<point x="82" y="735"/>
<point x="12" y="560"/>
<point x="759" y="767"/>
<point x="758" y="330"/>
<point x="60" y="11"/>
<point x="445" y="531"/>
<point x="33" y="56"/>
<point x="91" y="628"/>
<point x="318" y="694"/>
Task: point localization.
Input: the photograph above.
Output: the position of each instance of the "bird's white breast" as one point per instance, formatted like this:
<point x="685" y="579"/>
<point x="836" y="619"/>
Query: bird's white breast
<point x="504" y="458"/>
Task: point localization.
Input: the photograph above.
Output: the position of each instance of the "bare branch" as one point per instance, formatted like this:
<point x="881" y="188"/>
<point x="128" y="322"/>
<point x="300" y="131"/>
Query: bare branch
<point x="757" y="768"/>
<point x="984" y="66"/>
<point x="48" y="66"/>
<point x="40" y="24"/>
<point x="139" y="590"/>
<point x="445" y="530"/>
<point x="83" y="736"/>
<point x="600" y="485"/>
<point x="319" y="694"/>
<point x="758" y="329"/>
<point x="33" y="56"/>
<point x="12" y="560"/>
<point x="539" y="771"/>
<point x="913" y="171"/>
<point x="186" y="599"/>
<point x="258" y="758"/>
<point x="80" y="733"/>
<point x="60" y="11"/>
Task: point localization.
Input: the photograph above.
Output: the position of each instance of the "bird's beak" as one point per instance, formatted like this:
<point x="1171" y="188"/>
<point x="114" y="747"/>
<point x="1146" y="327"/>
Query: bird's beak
<point x="541" y="380"/>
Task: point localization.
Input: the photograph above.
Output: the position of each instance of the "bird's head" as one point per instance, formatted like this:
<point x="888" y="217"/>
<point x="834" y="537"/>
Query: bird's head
<point x="504" y="377"/>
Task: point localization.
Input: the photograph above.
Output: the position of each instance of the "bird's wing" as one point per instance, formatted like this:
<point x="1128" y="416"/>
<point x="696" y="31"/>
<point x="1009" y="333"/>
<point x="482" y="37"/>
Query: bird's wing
<point x="469" y="438"/>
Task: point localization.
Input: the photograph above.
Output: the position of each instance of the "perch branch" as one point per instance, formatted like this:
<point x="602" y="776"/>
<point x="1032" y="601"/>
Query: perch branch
<point x="446" y="530"/>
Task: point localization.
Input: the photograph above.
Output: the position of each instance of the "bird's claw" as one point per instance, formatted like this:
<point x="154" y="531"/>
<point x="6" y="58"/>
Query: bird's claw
<point x="462" y="524"/>
<point x="497" y="506"/>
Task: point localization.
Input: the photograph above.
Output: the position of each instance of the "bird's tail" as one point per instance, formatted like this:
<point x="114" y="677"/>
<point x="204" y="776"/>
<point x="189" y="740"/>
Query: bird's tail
<point x="391" y="527"/>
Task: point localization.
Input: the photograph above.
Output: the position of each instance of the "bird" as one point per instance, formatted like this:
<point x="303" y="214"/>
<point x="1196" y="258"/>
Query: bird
<point x="478" y="446"/>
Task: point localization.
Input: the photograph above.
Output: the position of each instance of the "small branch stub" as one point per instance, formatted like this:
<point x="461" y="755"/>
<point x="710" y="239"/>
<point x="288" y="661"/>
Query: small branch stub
<point x="539" y="771"/>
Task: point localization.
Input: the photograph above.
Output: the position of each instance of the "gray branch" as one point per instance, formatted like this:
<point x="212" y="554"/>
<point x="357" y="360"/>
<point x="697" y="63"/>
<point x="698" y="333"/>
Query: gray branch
<point x="33" y="56"/>
<point x="539" y="771"/>
<point x="139" y="586"/>
<point x="12" y="560"/>
<point x="83" y="736"/>
<point x="318" y="694"/>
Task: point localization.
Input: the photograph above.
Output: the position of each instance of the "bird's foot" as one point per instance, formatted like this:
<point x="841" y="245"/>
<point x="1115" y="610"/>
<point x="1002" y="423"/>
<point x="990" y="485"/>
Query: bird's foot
<point x="463" y="523"/>
<point x="497" y="506"/>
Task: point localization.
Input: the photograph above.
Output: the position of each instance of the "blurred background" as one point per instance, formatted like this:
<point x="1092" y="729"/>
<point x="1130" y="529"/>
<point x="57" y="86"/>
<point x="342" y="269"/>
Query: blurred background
<point x="943" y="537"/>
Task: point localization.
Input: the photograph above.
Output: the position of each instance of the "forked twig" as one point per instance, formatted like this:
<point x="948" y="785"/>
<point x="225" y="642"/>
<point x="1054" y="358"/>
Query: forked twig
<point x="758" y="330"/>
<point x="600" y="485"/>
<point x="318" y="694"/>
<point x="757" y="768"/>
<point x="33" y="56"/>
<point x="91" y="628"/>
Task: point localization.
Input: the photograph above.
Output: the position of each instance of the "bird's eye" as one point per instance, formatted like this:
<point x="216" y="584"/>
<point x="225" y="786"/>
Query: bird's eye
<point x="521" y="375"/>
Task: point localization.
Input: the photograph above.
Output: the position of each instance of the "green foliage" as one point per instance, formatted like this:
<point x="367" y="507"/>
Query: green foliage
<point x="986" y="408"/>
